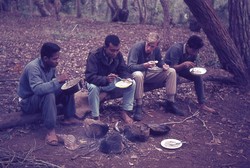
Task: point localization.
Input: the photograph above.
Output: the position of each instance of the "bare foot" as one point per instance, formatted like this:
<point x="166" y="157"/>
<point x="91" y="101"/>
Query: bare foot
<point x="206" y="108"/>
<point x="126" y="118"/>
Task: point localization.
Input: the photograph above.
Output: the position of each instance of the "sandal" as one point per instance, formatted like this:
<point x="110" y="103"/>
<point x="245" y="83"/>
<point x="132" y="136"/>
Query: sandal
<point x="52" y="140"/>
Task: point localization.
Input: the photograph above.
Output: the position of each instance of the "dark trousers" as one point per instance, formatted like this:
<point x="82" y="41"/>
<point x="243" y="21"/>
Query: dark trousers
<point x="46" y="104"/>
<point x="198" y="84"/>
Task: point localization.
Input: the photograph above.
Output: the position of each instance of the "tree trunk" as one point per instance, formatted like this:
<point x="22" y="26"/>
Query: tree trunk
<point x="220" y="39"/>
<point x="93" y="7"/>
<point x="78" y="9"/>
<point x="57" y="5"/>
<point x="166" y="21"/>
<point x="239" y="27"/>
<point x="142" y="11"/>
<point x="117" y="13"/>
<point x="41" y="8"/>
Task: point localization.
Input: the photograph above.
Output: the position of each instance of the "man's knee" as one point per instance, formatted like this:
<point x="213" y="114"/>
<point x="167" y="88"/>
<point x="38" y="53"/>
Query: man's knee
<point x="138" y="76"/>
<point x="170" y="73"/>
<point x="171" y="70"/>
<point x="91" y="87"/>
<point x="50" y="97"/>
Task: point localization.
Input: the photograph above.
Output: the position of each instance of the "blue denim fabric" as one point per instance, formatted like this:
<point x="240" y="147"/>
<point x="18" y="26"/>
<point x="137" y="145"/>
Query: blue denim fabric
<point x="94" y="99"/>
<point x="198" y="84"/>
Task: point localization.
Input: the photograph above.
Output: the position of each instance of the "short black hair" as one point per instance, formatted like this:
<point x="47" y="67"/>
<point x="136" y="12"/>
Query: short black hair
<point x="113" y="39"/>
<point x="195" y="42"/>
<point x="48" y="49"/>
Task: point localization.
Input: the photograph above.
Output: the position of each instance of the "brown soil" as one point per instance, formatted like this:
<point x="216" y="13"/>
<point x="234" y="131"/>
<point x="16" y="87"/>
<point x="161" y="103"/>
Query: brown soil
<point x="213" y="140"/>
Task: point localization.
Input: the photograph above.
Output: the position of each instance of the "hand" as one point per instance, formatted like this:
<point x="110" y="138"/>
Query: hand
<point x="149" y="64"/>
<point x="188" y="64"/>
<point x="165" y="67"/>
<point x="62" y="77"/>
<point x="111" y="77"/>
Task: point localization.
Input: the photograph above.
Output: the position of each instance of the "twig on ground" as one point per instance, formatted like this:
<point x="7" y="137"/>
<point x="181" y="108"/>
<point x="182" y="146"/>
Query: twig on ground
<point x="74" y="27"/>
<point x="84" y="154"/>
<point x="214" y="140"/>
<point x="9" y="158"/>
<point x="180" y="122"/>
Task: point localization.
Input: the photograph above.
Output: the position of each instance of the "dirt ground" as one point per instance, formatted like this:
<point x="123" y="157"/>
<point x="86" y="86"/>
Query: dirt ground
<point x="220" y="140"/>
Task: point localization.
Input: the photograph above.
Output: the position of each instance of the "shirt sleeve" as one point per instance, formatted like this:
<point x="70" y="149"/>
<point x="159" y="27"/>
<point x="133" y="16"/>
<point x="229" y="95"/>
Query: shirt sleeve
<point x="91" y="74"/>
<point x="133" y="59"/>
<point x="123" y="68"/>
<point x="40" y="86"/>
<point x="172" y="56"/>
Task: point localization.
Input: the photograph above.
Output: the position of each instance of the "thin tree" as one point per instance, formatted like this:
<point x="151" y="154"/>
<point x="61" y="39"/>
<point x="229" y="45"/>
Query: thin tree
<point x="142" y="11"/>
<point x="78" y="9"/>
<point x="220" y="39"/>
<point x="166" y="21"/>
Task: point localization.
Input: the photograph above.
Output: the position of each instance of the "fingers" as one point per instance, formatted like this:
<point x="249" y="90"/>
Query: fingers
<point x="149" y="64"/>
<point x="189" y="64"/>
<point x="111" y="77"/>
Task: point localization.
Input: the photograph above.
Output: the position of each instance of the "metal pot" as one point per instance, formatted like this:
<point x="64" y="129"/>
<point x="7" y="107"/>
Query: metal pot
<point x="72" y="86"/>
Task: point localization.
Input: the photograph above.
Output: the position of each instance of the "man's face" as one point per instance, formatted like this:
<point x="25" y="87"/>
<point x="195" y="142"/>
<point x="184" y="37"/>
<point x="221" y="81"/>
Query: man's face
<point x="52" y="61"/>
<point x="191" y="51"/>
<point x="112" y="50"/>
<point x="149" y="47"/>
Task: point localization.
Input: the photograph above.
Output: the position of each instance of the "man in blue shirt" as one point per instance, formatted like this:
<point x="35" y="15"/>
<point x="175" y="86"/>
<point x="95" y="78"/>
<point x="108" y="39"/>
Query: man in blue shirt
<point x="39" y="90"/>
<point x="182" y="57"/>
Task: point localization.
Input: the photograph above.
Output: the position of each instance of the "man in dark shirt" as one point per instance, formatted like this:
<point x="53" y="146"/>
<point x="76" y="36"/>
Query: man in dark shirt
<point x="39" y="90"/>
<point x="105" y="67"/>
<point x="182" y="57"/>
<point x="146" y="65"/>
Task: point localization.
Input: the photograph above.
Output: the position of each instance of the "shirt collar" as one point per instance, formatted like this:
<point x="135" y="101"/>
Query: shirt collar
<point x="42" y="65"/>
<point x="184" y="48"/>
<point x="107" y="58"/>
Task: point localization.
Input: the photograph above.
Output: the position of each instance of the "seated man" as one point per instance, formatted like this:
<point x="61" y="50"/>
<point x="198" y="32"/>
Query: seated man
<point x="105" y="66"/>
<point x="181" y="56"/>
<point x="143" y="56"/>
<point x="39" y="90"/>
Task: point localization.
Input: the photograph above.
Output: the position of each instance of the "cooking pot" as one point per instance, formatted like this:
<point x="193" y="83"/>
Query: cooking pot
<point x="72" y="86"/>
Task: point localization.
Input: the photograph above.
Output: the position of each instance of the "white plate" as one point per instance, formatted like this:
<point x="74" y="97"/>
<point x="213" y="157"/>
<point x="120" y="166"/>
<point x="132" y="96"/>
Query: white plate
<point x="198" y="71"/>
<point x="123" y="84"/>
<point x="171" y="143"/>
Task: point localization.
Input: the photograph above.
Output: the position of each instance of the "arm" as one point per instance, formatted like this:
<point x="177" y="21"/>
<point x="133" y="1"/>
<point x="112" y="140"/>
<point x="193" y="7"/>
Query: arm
<point x="38" y="83"/>
<point x="123" y="68"/>
<point x="184" y="65"/>
<point x="173" y="56"/>
<point x="135" y="59"/>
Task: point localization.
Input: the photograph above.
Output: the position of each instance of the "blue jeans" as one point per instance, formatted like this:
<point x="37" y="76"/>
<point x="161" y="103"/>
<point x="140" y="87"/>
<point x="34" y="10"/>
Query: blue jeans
<point x="94" y="99"/>
<point x="46" y="104"/>
<point x="198" y="84"/>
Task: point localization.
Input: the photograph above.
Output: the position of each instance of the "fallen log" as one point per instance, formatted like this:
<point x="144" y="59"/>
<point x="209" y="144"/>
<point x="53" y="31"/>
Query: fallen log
<point x="82" y="108"/>
<point x="17" y="119"/>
